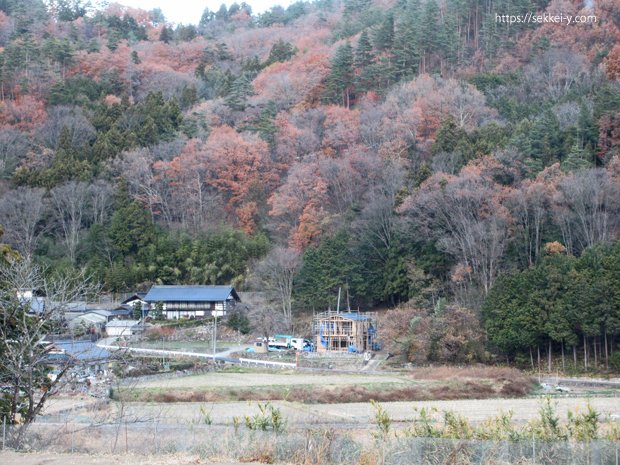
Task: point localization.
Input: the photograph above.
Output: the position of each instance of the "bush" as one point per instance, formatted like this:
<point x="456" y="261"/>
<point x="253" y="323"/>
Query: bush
<point x="614" y="360"/>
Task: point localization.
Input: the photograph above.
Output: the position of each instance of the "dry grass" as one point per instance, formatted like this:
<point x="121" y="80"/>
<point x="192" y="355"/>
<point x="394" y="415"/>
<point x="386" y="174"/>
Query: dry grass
<point x="447" y="390"/>
<point x="446" y="372"/>
<point x="503" y="381"/>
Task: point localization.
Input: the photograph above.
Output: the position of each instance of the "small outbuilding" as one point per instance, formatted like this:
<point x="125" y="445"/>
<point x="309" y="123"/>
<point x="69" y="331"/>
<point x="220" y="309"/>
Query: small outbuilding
<point x="135" y="299"/>
<point x="91" y="322"/>
<point x="119" y="328"/>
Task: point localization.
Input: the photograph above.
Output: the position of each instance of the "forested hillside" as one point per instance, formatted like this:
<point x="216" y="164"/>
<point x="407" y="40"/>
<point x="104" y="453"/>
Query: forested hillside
<point x="404" y="151"/>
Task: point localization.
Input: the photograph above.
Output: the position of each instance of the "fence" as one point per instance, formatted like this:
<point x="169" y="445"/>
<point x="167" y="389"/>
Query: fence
<point x="307" y="446"/>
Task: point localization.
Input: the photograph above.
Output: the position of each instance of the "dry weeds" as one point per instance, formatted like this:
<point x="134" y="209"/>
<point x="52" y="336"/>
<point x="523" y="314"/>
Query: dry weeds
<point x="448" y="390"/>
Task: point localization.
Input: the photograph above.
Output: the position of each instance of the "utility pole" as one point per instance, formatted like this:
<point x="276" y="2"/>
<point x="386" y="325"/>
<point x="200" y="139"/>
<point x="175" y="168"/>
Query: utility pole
<point x="214" y="335"/>
<point x="338" y="304"/>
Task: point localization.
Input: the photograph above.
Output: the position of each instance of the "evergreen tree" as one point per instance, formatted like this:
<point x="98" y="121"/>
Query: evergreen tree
<point x="280" y="51"/>
<point x="406" y="48"/>
<point x="206" y="18"/>
<point x="339" y="84"/>
<point x="325" y="269"/>
<point x="222" y="13"/>
<point x="428" y="34"/>
<point x="577" y="159"/>
<point x="363" y="53"/>
<point x="131" y="228"/>
<point x="240" y="90"/>
<point x="364" y="59"/>
<point x="383" y="37"/>
<point x="546" y="138"/>
<point x="264" y="125"/>
<point x="165" y="35"/>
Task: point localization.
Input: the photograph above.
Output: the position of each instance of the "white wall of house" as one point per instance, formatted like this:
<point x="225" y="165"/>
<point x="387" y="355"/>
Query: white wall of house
<point x="121" y="330"/>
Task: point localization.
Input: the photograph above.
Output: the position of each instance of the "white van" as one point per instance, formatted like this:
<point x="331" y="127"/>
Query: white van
<point x="301" y="344"/>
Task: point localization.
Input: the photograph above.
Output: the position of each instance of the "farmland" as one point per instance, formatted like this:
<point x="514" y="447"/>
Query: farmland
<point x="171" y="427"/>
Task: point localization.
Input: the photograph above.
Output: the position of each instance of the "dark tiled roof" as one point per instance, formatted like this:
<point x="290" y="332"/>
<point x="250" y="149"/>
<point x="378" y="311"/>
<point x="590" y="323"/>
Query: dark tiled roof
<point x="137" y="295"/>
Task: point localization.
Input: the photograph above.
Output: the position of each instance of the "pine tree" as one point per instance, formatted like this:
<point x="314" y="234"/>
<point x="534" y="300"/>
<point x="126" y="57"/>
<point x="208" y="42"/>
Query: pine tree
<point x="280" y="51"/>
<point x="546" y="139"/>
<point x="240" y="90"/>
<point x="383" y="37"/>
<point x="363" y="52"/>
<point x="339" y="85"/>
<point x="406" y="54"/>
<point x="264" y="125"/>
<point x="364" y="59"/>
<point x="206" y="18"/>
<point x="165" y="35"/>
<point x="577" y="159"/>
<point x="429" y="31"/>
<point x="222" y="13"/>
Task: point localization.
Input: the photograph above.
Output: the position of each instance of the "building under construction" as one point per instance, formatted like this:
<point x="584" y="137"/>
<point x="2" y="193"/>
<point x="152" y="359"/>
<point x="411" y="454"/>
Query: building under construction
<point x="345" y="331"/>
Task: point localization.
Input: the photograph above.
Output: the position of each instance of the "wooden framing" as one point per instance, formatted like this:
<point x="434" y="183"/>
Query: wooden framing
<point x="344" y="331"/>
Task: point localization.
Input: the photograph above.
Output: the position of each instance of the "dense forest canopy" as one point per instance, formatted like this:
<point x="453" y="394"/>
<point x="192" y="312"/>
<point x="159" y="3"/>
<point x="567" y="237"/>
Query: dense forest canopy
<point x="413" y="151"/>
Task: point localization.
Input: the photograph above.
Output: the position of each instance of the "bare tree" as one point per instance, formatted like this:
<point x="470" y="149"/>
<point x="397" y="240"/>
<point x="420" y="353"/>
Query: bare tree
<point x="377" y="223"/>
<point x="24" y="370"/>
<point x="21" y="213"/>
<point x="266" y="321"/>
<point x="70" y="203"/>
<point x="137" y="167"/>
<point x="276" y="273"/>
<point x="71" y="119"/>
<point x="14" y="146"/>
<point x="587" y="207"/>
<point x="468" y="217"/>
<point x="100" y="201"/>
<point x="530" y="205"/>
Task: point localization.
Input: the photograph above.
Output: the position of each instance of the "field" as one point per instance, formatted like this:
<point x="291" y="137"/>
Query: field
<point x="327" y="399"/>
<point x="156" y="420"/>
<point x="329" y="388"/>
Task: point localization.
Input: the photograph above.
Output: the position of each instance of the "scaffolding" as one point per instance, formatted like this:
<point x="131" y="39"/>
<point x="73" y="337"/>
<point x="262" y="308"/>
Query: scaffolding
<point x="349" y="331"/>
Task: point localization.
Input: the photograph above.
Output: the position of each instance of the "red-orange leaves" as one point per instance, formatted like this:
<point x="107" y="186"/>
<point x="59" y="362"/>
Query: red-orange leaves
<point x="293" y="82"/>
<point x="242" y="171"/>
<point x="298" y="205"/>
<point x="237" y="166"/>
<point x="612" y="63"/>
<point x="341" y="129"/>
<point x="24" y="112"/>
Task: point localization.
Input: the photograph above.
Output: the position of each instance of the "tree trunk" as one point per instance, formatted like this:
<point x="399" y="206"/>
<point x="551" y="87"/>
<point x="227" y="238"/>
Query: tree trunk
<point x="585" y="353"/>
<point x="595" y="354"/>
<point x="563" y="362"/>
<point x="531" y="357"/>
<point x="538" y="351"/>
<point x="549" y="356"/>
<point x="575" y="355"/>
<point x="606" y="353"/>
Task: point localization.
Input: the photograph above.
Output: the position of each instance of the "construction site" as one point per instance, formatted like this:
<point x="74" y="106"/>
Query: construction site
<point x="349" y="331"/>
